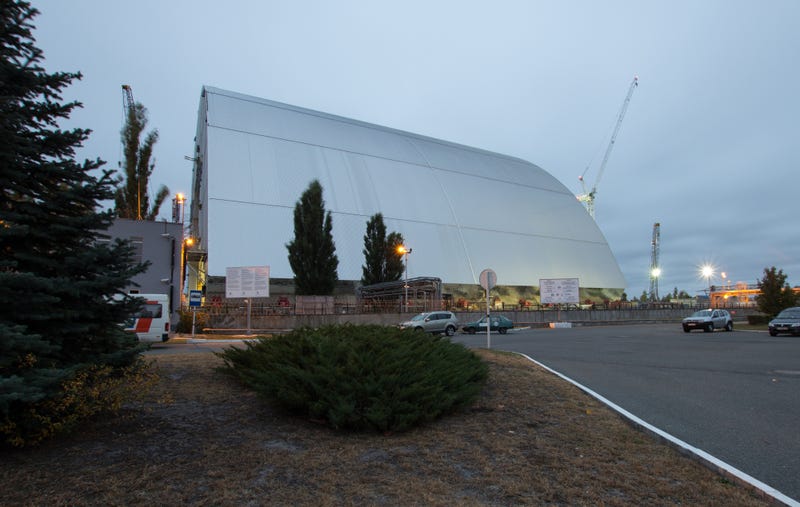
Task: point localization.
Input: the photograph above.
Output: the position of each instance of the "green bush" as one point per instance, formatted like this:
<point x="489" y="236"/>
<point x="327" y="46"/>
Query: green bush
<point x="185" y="322"/>
<point x="361" y="377"/>
<point x="757" y="320"/>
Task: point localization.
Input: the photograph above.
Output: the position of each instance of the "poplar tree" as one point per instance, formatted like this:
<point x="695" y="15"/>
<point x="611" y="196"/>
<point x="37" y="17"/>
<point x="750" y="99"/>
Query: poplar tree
<point x="312" y="252"/>
<point x="57" y="279"/>
<point x="382" y="262"/>
<point x="132" y="199"/>
<point x="394" y="260"/>
<point x="776" y="294"/>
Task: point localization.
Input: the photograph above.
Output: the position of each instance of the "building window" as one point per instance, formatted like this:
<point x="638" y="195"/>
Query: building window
<point x="137" y="243"/>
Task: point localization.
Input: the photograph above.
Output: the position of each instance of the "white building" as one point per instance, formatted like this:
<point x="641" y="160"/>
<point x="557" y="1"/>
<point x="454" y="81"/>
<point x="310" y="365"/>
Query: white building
<point x="460" y="209"/>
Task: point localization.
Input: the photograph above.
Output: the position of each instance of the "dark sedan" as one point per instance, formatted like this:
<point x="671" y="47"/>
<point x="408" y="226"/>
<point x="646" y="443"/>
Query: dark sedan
<point x="788" y="321"/>
<point x="499" y="323"/>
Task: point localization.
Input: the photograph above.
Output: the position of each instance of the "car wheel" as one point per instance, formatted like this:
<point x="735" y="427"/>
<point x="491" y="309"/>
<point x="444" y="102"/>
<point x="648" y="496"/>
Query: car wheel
<point x="502" y="330"/>
<point x="773" y="333"/>
<point x="449" y="330"/>
<point x="709" y="327"/>
<point x="470" y="330"/>
<point x="418" y="329"/>
<point x="686" y="329"/>
<point x="729" y="326"/>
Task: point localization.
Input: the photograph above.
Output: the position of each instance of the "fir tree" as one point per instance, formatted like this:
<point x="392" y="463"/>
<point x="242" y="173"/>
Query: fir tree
<point x="131" y="198"/>
<point x="312" y="252"/>
<point x="56" y="278"/>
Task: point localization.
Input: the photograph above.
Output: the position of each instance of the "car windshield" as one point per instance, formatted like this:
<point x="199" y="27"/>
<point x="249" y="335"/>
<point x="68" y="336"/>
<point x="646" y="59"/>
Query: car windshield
<point x="793" y="313"/>
<point x="702" y="313"/>
<point x="421" y="316"/>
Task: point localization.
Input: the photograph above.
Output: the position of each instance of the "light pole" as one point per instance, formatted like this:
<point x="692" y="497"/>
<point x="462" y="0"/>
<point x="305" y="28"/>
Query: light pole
<point x="402" y="250"/>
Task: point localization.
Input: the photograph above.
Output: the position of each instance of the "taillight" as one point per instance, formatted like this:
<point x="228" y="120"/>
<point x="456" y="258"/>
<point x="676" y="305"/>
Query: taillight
<point x="166" y="327"/>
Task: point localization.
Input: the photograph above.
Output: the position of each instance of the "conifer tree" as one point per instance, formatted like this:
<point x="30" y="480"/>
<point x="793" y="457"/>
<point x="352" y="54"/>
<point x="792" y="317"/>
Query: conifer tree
<point x="132" y="198"/>
<point x="56" y="278"/>
<point x="312" y="252"/>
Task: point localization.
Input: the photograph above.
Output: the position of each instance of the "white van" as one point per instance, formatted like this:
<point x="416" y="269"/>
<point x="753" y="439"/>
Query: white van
<point x="151" y="322"/>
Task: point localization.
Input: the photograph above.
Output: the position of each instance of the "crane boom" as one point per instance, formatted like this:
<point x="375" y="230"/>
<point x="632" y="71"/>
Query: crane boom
<point x="588" y="197"/>
<point x="127" y="98"/>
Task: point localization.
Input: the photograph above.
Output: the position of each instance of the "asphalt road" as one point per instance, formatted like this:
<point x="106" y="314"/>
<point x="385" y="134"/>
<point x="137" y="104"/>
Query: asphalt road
<point x="735" y="395"/>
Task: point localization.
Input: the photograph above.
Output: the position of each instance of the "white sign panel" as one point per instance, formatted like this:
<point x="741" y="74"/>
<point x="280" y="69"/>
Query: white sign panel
<point x="559" y="290"/>
<point x="247" y="282"/>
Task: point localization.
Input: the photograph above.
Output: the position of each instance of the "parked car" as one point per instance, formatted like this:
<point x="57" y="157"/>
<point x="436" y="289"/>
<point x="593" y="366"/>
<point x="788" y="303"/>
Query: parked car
<point x="708" y="320"/>
<point x="788" y="321"/>
<point x="433" y="322"/>
<point x="499" y="323"/>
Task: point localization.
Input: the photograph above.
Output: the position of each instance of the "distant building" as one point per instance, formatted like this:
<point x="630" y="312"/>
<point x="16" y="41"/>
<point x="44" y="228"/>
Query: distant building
<point x="460" y="209"/>
<point x="158" y="243"/>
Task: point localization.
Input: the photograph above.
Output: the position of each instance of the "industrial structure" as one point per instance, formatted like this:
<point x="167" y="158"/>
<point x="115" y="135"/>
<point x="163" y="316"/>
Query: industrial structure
<point x="588" y="197"/>
<point x="461" y="209"/>
<point x="655" y="266"/>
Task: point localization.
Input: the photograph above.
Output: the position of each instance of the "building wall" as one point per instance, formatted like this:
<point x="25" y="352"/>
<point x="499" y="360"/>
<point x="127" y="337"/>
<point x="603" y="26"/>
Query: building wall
<point x="160" y="244"/>
<point x="460" y="209"/>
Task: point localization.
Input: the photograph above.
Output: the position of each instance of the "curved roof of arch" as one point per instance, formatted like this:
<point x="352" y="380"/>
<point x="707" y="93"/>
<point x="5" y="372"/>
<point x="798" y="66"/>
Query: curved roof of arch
<point x="460" y="209"/>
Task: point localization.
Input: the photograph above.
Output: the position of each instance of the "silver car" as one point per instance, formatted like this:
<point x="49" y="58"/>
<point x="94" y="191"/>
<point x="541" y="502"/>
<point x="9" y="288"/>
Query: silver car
<point x="708" y="320"/>
<point x="432" y="322"/>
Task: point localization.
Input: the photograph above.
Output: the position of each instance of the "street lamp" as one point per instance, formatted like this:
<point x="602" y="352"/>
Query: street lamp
<point x="708" y="271"/>
<point x="402" y="250"/>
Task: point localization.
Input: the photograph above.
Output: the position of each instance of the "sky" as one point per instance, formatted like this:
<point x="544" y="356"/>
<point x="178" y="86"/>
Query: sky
<point x="709" y="147"/>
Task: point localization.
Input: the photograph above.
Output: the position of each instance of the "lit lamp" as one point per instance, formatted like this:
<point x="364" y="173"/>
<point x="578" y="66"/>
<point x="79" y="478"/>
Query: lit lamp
<point x="178" y="207"/>
<point x="655" y="273"/>
<point x="708" y="271"/>
<point x="402" y="250"/>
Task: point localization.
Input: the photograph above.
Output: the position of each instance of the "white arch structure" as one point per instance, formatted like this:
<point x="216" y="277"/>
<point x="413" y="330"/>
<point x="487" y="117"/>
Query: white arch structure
<point x="461" y="209"/>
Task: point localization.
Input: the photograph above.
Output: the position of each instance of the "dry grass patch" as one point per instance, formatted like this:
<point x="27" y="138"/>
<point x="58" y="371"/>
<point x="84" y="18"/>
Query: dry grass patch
<point x="203" y="439"/>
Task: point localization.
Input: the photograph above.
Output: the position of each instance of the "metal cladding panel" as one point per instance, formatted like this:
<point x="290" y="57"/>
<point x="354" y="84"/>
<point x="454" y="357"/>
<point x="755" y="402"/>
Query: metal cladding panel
<point x="460" y="209"/>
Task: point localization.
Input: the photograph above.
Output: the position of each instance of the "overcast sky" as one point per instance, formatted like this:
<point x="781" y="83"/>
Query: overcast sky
<point x="709" y="148"/>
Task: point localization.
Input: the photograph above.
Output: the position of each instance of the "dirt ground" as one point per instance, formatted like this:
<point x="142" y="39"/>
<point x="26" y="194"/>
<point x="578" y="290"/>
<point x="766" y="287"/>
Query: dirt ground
<point x="202" y="439"/>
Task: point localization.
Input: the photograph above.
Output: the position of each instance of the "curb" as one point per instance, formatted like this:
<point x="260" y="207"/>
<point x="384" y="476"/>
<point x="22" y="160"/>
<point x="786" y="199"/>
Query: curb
<point x="684" y="448"/>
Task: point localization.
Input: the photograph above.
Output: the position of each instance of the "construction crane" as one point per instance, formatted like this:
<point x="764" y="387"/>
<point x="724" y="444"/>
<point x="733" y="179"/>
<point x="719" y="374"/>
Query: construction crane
<point x="129" y="109"/>
<point x="588" y="197"/>
<point x="655" y="268"/>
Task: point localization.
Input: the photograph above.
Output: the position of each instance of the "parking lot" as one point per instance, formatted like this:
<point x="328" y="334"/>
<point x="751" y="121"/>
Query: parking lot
<point x="735" y="395"/>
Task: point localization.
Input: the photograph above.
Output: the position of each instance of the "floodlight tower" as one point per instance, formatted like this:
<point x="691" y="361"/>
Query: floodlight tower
<point x="655" y="268"/>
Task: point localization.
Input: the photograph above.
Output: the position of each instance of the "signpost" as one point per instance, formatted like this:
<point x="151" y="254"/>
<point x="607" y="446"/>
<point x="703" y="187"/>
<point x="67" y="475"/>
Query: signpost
<point x="488" y="280"/>
<point x="195" y="300"/>
<point x="247" y="282"/>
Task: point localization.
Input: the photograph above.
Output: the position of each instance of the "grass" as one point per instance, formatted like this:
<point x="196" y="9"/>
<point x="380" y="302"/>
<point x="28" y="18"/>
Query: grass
<point x="203" y="439"/>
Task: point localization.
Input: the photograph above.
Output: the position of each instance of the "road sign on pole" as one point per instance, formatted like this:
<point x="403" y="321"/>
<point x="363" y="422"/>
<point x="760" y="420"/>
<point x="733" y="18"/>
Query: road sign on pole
<point x="488" y="281"/>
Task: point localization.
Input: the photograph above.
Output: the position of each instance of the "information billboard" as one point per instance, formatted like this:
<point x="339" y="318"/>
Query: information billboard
<point x="247" y="282"/>
<point x="559" y="291"/>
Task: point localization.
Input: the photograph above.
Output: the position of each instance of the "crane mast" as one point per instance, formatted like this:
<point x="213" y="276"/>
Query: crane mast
<point x="655" y="269"/>
<point x="588" y="197"/>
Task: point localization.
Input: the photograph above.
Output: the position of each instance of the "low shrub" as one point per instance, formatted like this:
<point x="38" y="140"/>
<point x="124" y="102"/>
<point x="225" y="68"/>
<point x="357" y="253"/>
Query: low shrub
<point x="89" y="392"/>
<point x="185" y="323"/>
<point x="757" y="320"/>
<point x="361" y="377"/>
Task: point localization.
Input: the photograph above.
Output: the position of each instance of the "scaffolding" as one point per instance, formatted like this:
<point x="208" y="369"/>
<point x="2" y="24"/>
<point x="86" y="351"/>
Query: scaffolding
<point x="424" y="294"/>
